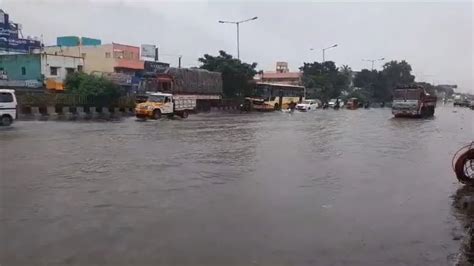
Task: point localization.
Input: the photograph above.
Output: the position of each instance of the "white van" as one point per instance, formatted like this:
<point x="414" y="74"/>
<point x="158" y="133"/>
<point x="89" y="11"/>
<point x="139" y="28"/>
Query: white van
<point x="8" y="103"/>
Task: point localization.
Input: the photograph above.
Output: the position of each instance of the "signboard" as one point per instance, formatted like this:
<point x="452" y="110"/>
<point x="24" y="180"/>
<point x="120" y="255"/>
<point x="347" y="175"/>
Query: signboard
<point x="157" y="67"/>
<point x="119" y="78"/>
<point x="148" y="50"/>
<point x="9" y="39"/>
<point x="21" y="45"/>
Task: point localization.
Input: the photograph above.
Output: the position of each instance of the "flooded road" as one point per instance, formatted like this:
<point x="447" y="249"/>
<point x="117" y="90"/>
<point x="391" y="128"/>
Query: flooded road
<point x="324" y="188"/>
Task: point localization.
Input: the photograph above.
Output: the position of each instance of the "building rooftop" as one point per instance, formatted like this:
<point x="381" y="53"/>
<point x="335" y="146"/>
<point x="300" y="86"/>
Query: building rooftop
<point x="279" y="75"/>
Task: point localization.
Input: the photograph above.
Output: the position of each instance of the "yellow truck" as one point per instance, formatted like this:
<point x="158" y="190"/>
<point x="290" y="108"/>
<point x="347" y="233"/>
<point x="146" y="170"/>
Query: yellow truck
<point x="160" y="104"/>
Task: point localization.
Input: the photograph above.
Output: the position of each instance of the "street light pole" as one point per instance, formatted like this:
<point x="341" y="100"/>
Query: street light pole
<point x="238" y="40"/>
<point x="237" y="23"/>
<point x="373" y="60"/>
<point x="324" y="50"/>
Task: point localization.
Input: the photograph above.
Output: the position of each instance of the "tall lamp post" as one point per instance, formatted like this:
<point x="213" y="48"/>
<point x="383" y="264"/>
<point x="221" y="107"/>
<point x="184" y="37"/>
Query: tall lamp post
<point x="373" y="60"/>
<point x="324" y="51"/>
<point x="237" y="23"/>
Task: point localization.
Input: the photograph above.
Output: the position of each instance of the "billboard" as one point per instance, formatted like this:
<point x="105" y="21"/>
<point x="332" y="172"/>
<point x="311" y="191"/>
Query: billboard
<point x="148" y="50"/>
<point x="9" y="37"/>
<point x="157" y="67"/>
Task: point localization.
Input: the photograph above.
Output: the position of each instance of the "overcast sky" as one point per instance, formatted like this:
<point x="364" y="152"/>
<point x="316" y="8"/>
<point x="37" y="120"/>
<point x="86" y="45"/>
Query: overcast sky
<point x="435" y="38"/>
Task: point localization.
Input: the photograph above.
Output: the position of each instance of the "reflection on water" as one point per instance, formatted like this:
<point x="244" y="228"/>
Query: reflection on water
<point x="328" y="187"/>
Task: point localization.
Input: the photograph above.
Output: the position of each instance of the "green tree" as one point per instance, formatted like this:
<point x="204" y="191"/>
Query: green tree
<point x="397" y="73"/>
<point x="365" y="78"/>
<point x="378" y="85"/>
<point x="90" y="85"/>
<point x="393" y="73"/>
<point x="236" y="75"/>
<point x="325" y="80"/>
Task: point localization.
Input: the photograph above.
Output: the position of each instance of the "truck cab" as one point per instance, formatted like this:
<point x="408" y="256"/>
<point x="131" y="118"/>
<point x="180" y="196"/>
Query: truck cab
<point x="8" y="107"/>
<point x="158" y="104"/>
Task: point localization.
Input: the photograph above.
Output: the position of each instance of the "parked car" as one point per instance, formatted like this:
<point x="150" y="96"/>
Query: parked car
<point x="471" y="105"/>
<point x="308" y="105"/>
<point x="8" y="106"/>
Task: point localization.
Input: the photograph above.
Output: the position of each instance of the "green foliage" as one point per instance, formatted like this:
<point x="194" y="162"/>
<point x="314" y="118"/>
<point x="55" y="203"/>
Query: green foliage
<point x="89" y="85"/>
<point x="325" y="80"/>
<point x="377" y="85"/>
<point x="236" y="76"/>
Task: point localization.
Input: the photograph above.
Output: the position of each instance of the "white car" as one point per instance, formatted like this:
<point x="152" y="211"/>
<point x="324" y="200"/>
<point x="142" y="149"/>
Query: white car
<point x="8" y="112"/>
<point x="332" y="103"/>
<point x="308" y="105"/>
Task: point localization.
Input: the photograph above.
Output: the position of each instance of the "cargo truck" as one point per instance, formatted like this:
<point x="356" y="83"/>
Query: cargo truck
<point x="205" y="87"/>
<point x="412" y="101"/>
<point x="158" y="104"/>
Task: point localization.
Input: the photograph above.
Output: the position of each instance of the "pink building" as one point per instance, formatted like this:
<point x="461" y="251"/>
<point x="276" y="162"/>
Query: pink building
<point x="281" y="75"/>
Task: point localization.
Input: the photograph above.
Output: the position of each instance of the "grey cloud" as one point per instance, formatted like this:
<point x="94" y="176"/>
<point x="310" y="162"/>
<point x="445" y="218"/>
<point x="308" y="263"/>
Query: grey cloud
<point x="435" y="38"/>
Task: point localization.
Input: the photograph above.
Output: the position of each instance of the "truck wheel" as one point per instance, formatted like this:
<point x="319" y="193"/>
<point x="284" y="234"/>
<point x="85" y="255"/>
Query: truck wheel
<point x="432" y="111"/>
<point x="424" y="112"/>
<point x="276" y="107"/>
<point x="6" y="120"/>
<point x="184" y="114"/>
<point x="157" y="114"/>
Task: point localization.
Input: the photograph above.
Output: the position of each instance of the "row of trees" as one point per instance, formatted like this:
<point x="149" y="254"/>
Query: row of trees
<point x="235" y="74"/>
<point x="322" y="80"/>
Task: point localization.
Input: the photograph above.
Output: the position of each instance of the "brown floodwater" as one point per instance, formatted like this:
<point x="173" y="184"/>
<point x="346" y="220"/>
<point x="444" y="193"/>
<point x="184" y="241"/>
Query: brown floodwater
<point x="322" y="188"/>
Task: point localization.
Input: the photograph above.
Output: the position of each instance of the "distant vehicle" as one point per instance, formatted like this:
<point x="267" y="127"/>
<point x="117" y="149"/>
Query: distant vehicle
<point x="332" y="103"/>
<point x="159" y="104"/>
<point x="413" y="101"/>
<point x="461" y="101"/>
<point x="352" y="103"/>
<point x="308" y="105"/>
<point x="8" y="107"/>
<point x="273" y="96"/>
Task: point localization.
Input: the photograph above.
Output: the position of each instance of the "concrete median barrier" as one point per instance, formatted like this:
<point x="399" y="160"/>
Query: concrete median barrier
<point x="91" y="112"/>
<point x="104" y="112"/>
<point x="80" y="112"/>
<point x="35" y="112"/>
<point x="65" y="112"/>
<point x="51" y="112"/>
<point x="116" y="112"/>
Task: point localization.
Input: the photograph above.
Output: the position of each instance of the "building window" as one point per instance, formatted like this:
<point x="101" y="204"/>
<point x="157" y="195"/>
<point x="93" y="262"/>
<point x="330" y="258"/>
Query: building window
<point x="118" y="55"/>
<point x="79" y="68"/>
<point x="53" y="71"/>
<point x="107" y="55"/>
<point x="23" y="71"/>
<point x="69" y="70"/>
